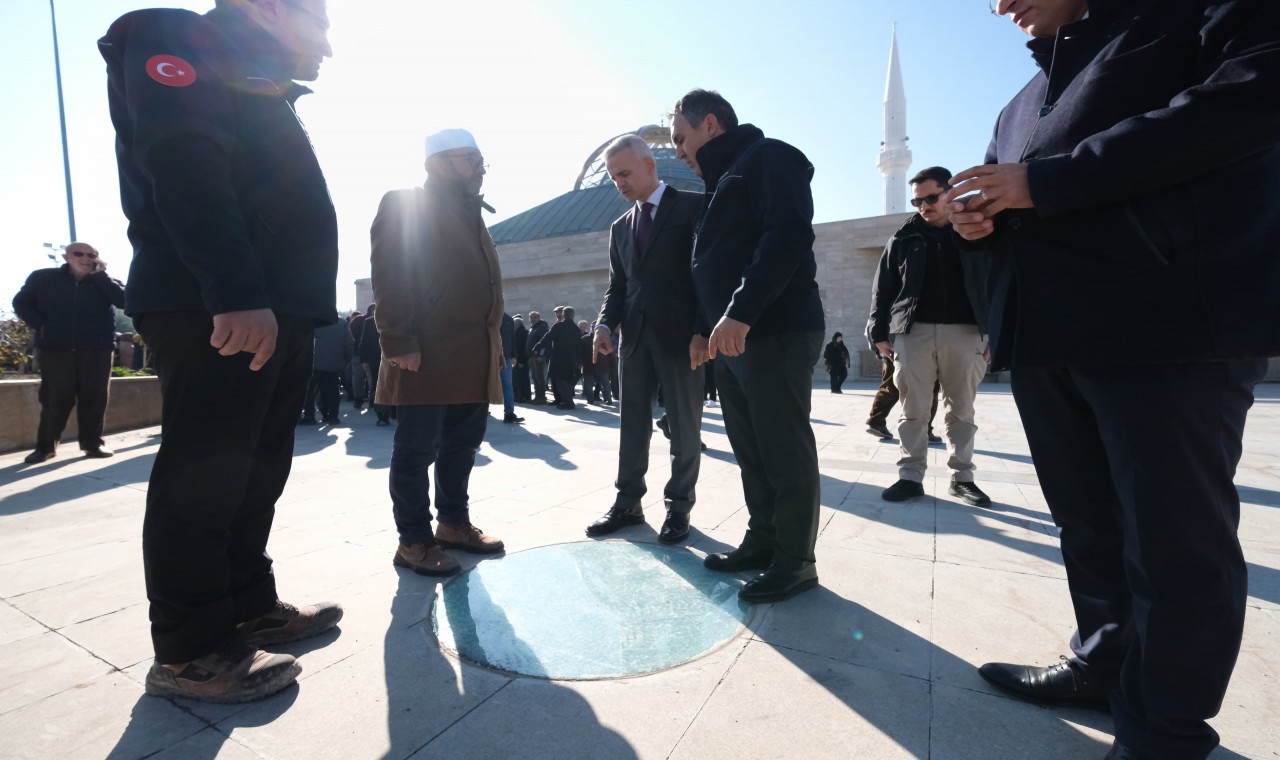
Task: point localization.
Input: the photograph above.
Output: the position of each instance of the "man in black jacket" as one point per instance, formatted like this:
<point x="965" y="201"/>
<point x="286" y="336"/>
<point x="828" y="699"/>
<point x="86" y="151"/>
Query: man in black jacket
<point x="538" y="361"/>
<point x="927" y="299"/>
<point x="1125" y="188"/>
<point x="69" y="309"/>
<point x="651" y="302"/>
<point x="235" y="258"/>
<point x="753" y="272"/>
<point x="520" y="370"/>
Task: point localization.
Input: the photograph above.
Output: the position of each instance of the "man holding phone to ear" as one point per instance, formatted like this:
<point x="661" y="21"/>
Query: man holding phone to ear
<point x="69" y="309"/>
<point x="1127" y="187"/>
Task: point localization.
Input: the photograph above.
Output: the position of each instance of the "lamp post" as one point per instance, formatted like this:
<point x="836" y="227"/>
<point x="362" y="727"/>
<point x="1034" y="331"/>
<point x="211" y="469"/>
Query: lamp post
<point x="62" y="118"/>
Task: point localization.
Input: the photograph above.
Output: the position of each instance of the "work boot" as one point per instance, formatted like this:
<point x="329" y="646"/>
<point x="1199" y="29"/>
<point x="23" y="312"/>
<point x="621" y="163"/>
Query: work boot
<point x="285" y="623"/>
<point x="425" y="559"/>
<point x="468" y="538"/>
<point x="233" y="672"/>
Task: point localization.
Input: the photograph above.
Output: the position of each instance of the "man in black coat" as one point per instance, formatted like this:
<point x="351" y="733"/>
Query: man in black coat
<point x="651" y="303"/>
<point x="560" y="345"/>
<point x="235" y="260"/>
<point x="538" y="362"/>
<point x="753" y="271"/>
<point x="1127" y="189"/>
<point x="70" y="311"/>
<point x="520" y="371"/>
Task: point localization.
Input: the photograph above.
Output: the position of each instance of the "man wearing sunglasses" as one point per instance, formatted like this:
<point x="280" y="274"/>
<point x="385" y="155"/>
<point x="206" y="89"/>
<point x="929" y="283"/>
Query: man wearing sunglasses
<point x="927" y="315"/>
<point x="69" y="309"/>
<point x="1126" y="190"/>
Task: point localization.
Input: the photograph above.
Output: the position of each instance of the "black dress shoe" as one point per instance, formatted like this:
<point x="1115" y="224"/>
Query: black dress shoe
<point x="1120" y="752"/>
<point x="615" y="518"/>
<point x="664" y="426"/>
<point x="675" y="528"/>
<point x="738" y="560"/>
<point x="101" y="452"/>
<point x="38" y="456"/>
<point x="777" y="584"/>
<point x="1065" y="683"/>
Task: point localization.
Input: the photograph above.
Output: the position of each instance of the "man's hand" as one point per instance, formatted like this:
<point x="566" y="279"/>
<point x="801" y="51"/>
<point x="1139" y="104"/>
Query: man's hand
<point x="253" y="331"/>
<point x="728" y="337"/>
<point x="998" y="187"/>
<point x="603" y="344"/>
<point x="970" y="225"/>
<point x="697" y="352"/>
<point x="99" y="266"/>
<point x="885" y="349"/>
<point x="408" y="362"/>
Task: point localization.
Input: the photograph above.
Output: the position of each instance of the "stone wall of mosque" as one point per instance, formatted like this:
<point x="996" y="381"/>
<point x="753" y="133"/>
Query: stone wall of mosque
<point x="574" y="270"/>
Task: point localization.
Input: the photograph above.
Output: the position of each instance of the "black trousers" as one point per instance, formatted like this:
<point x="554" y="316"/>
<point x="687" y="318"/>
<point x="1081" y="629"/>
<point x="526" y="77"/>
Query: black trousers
<point x="1136" y="464"/>
<point x="324" y="387"/>
<point x="520" y="382"/>
<point x="640" y="372"/>
<point x="766" y="397"/>
<point x="223" y="462"/>
<point x="67" y="379"/>
<point x="838" y="376"/>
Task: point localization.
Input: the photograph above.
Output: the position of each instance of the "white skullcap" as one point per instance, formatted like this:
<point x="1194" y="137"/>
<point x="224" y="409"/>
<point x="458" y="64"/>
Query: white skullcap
<point x="450" y="139"/>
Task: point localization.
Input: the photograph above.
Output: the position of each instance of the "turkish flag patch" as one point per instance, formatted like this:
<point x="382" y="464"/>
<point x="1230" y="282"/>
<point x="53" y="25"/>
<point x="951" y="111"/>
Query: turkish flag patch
<point x="171" y="70"/>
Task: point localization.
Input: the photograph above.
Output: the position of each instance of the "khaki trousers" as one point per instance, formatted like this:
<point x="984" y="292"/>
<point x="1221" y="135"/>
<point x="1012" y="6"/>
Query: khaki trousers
<point x="952" y="356"/>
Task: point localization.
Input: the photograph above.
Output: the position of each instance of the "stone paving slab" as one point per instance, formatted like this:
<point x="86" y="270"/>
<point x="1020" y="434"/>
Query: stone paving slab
<point x="879" y="662"/>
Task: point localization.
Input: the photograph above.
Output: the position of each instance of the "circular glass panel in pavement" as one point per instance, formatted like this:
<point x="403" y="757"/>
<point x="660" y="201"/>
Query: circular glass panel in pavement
<point x="588" y="610"/>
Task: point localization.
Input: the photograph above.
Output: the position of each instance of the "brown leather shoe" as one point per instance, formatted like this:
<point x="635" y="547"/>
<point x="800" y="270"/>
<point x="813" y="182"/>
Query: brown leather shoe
<point x="468" y="538"/>
<point x="285" y="623"/>
<point x="425" y="559"/>
<point x="233" y="672"/>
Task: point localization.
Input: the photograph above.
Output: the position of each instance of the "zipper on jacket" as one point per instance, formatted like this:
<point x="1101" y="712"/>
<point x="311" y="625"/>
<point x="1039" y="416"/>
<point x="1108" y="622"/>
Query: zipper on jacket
<point x="1046" y="107"/>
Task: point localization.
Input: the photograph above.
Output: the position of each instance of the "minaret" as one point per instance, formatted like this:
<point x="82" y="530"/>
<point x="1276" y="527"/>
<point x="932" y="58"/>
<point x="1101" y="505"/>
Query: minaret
<point x="895" y="157"/>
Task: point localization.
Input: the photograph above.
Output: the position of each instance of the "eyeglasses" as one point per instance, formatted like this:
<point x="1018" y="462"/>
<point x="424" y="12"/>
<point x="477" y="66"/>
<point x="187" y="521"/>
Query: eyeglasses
<point x="475" y="160"/>
<point x="929" y="199"/>
<point x="78" y="254"/>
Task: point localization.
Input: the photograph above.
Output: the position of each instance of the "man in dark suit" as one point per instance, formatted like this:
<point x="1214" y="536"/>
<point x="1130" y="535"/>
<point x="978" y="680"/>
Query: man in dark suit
<point x="651" y="301"/>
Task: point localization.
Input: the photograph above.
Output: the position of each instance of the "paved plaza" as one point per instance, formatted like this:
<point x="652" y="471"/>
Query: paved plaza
<point x="879" y="662"/>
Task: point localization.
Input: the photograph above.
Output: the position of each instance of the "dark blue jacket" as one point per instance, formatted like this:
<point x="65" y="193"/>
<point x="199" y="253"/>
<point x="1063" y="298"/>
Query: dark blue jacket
<point x="753" y="251"/>
<point x="1152" y="143"/>
<point x="228" y="209"/>
<point x="67" y="314"/>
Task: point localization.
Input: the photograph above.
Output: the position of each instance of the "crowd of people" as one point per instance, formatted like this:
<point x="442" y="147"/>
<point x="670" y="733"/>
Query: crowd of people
<point x="1106" y="199"/>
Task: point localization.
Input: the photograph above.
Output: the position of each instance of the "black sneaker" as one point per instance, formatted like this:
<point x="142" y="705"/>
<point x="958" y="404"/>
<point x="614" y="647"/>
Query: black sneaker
<point x="512" y="419"/>
<point x="934" y="437"/>
<point x="969" y="493"/>
<point x="903" y="490"/>
<point x="879" y="431"/>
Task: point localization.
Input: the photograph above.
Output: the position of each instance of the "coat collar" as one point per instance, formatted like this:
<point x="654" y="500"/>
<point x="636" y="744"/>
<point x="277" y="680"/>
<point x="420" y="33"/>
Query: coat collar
<point x="721" y="151"/>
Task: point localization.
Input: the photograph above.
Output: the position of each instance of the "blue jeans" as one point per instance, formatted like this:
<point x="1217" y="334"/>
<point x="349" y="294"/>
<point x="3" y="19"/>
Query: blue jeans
<point x="508" y="391"/>
<point x="447" y="436"/>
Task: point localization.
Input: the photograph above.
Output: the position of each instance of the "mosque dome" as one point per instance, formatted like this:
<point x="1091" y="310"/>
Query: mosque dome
<point x="593" y="204"/>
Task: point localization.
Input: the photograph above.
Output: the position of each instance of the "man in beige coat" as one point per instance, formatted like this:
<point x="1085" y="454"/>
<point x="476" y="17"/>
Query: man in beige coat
<point x="439" y="293"/>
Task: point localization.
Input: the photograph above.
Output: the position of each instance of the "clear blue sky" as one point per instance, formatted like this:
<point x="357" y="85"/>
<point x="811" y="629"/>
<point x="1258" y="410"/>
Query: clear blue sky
<point x="541" y="83"/>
